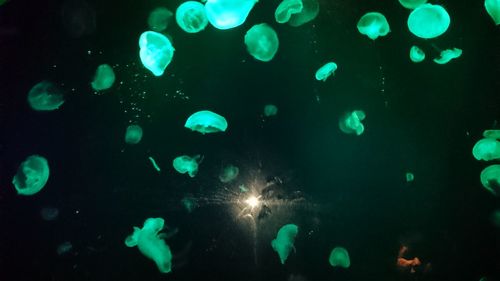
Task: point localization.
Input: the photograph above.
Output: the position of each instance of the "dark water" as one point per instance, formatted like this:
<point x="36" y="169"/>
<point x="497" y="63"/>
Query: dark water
<point x="341" y="190"/>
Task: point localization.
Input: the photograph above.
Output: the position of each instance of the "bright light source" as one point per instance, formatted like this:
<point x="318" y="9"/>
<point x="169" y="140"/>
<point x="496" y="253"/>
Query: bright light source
<point x="252" y="201"/>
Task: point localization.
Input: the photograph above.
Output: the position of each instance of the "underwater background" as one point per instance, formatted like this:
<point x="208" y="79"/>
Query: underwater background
<point x="340" y="190"/>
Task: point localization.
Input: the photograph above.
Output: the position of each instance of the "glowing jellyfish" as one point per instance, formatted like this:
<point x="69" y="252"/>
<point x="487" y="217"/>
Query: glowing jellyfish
<point x="493" y="9"/>
<point x="309" y="12"/>
<point x="490" y="178"/>
<point x="205" y="122"/>
<point x="104" y="78"/>
<point x="133" y="135"/>
<point x="373" y="25"/>
<point x="189" y="203"/>
<point x="283" y="244"/>
<point x="286" y="9"/>
<point x="339" y="257"/>
<point x="155" y="165"/>
<point x="416" y="54"/>
<point x="262" y="42"/>
<point x="226" y="14"/>
<point x="49" y="213"/>
<point x="45" y="96"/>
<point x="32" y="175"/>
<point x="326" y="71"/>
<point x="149" y="241"/>
<point x="159" y="19"/>
<point x="350" y="123"/>
<point x="412" y="4"/>
<point x="185" y="164"/>
<point x="410" y="177"/>
<point x="156" y="51"/>
<point x="270" y="110"/>
<point x="495" y="134"/>
<point x="64" y="248"/>
<point x="229" y="173"/>
<point x="428" y="21"/>
<point x="448" y="55"/>
<point x="487" y="149"/>
<point x="191" y="16"/>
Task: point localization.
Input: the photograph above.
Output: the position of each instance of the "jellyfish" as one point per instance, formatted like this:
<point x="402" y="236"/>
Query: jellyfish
<point x="410" y="177"/>
<point x="339" y="257"/>
<point x="226" y="14"/>
<point x="487" y="149"/>
<point x="310" y="10"/>
<point x="45" y="96"/>
<point x="448" y="55"/>
<point x="155" y="165"/>
<point x="416" y="54"/>
<point x="373" y="25"/>
<point x="133" y="135"/>
<point x="32" y="175"/>
<point x="64" y="248"/>
<point x="189" y="203"/>
<point x="49" y="213"/>
<point x="350" y="123"/>
<point x="412" y="4"/>
<point x="495" y="134"/>
<point x="159" y="19"/>
<point x="326" y="71"/>
<point x="185" y="164"/>
<point x="428" y="21"/>
<point x="286" y="9"/>
<point x="495" y="218"/>
<point x="270" y="110"/>
<point x="205" y="122"/>
<point x="283" y="244"/>
<point x="490" y="178"/>
<point x="104" y="78"/>
<point x="150" y="243"/>
<point x="191" y="16"/>
<point x="262" y="42"/>
<point x="156" y="51"/>
<point x="493" y="9"/>
<point x="229" y="173"/>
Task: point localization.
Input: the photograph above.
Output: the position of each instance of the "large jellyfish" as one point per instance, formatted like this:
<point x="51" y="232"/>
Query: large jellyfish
<point x="159" y="19"/>
<point x="32" y="175"/>
<point x="270" y="110"/>
<point x="487" y="149"/>
<point x="205" y="122"/>
<point x="286" y="9"/>
<point x="156" y="51"/>
<point x="283" y="244"/>
<point x="412" y="4"/>
<point x="309" y="12"/>
<point x="373" y="25"/>
<point x="150" y="243"/>
<point x="416" y="54"/>
<point x="326" y="71"/>
<point x="350" y="123"/>
<point x="490" y="178"/>
<point x="262" y="42"/>
<point x="133" y="135"/>
<point x="229" y="173"/>
<point x="186" y="164"/>
<point x="339" y="257"/>
<point x="428" y="21"/>
<point x="104" y="78"/>
<point x="191" y="16"/>
<point x="493" y="9"/>
<point x="448" y="55"/>
<point x="45" y="96"/>
<point x="226" y="14"/>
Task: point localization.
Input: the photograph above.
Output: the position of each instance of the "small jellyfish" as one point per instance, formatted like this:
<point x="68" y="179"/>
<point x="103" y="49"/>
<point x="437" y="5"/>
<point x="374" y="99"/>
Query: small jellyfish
<point x="428" y="21"/>
<point x="159" y="19"/>
<point x="490" y="178"/>
<point x="487" y="149"/>
<point x="494" y="134"/>
<point x="416" y="54"/>
<point x="104" y="78"/>
<point x="49" y="213"/>
<point x="32" y="175"/>
<point x="262" y="42"/>
<point x="150" y="244"/>
<point x="373" y="25"/>
<point x="495" y="218"/>
<point x="226" y="14"/>
<point x="283" y="244"/>
<point x="350" y="123"/>
<point x="156" y="51"/>
<point x="410" y="177"/>
<point x="64" y="248"/>
<point x="339" y="257"/>
<point x="191" y="16"/>
<point x="155" y="165"/>
<point x="185" y="164"/>
<point x="189" y="203"/>
<point x="493" y="9"/>
<point x="45" y="96"/>
<point x="448" y="55"/>
<point x="229" y="173"/>
<point x="412" y="4"/>
<point x="310" y="10"/>
<point x="270" y="110"/>
<point x="205" y="122"/>
<point x="133" y="134"/>
<point x="286" y="9"/>
<point x="326" y="71"/>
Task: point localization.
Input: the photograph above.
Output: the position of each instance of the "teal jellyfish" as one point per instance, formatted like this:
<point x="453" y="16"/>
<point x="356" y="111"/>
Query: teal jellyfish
<point x="326" y="71"/>
<point x="133" y="135"/>
<point x="428" y="21"/>
<point x="159" y="19"/>
<point x="286" y="9"/>
<point x="487" y="149"/>
<point x="191" y="17"/>
<point x="490" y="178"/>
<point x="283" y="244"/>
<point x="229" y="173"/>
<point x="262" y="42"/>
<point x="494" y="134"/>
<point x="373" y="25"/>
<point x="156" y="52"/>
<point x="410" y="177"/>
<point x="493" y="9"/>
<point x="32" y="175"/>
<point x="309" y="12"/>
<point x="416" y="54"/>
<point x="205" y="122"/>
<point x="226" y="14"/>
<point x="412" y="4"/>
<point x="104" y="78"/>
<point x="185" y="164"/>
<point x="350" y="123"/>
<point x="45" y="96"/>
<point x="189" y="203"/>
<point x="270" y="110"/>
<point x="339" y="257"/>
<point x="448" y="55"/>
<point x="150" y="243"/>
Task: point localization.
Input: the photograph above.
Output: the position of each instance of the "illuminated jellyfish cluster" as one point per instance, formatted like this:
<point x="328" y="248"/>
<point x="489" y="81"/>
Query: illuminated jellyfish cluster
<point x="447" y="55"/>
<point x="326" y="71"/>
<point x="310" y="10"/>
<point x="428" y="21"/>
<point x="416" y="54"/>
<point x="45" y="96"/>
<point x="283" y="243"/>
<point x="373" y="25"/>
<point x="205" y="122"/>
<point x="270" y="110"/>
<point x="262" y="42"/>
<point x="32" y="175"/>
<point x="191" y="17"/>
<point x="286" y="9"/>
<point x="229" y="173"/>
<point x="159" y="19"/>
<point x="339" y="257"/>
<point x="226" y="14"/>
<point x="488" y="149"/>
<point x="493" y="9"/>
<point x="133" y="134"/>
<point x="104" y="78"/>
<point x="490" y="179"/>
<point x="350" y="123"/>
<point x="156" y="51"/>
<point x="186" y="164"/>
<point x="412" y="4"/>
<point x="149" y="241"/>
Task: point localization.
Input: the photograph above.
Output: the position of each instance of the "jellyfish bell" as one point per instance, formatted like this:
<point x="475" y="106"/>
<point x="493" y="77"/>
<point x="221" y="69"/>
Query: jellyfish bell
<point x="104" y="78"/>
<point x="226" y="14"/>
<point x="428" y="21"/>
<point x="350" y="123"/>
<point x="191" y="17"/>
<point x="448" y="55"/>
<point x="186" y="164"/>
<point x="493" y="9"/>
<point x="262" y="42"/>
<point x="487" y="149"/>
<point x="45" y="96"/>
<point x="339" y="257"/>
<point x="283" y="244"/>
<point x="205" y="122"/>
<point x="286" y="9"/>
<point x="32" y="175"/>
<point x="412" y="4"/>
<point x="373" y="25"/>
<point x="156" y="52"/>
<point x="490" y="179"/>
<point x="229" y="173"/>
<point x="310" y="10"/>
<point x="159" y="19"/>
<point x="326" y="71"/>
<point x="416" y="54"/>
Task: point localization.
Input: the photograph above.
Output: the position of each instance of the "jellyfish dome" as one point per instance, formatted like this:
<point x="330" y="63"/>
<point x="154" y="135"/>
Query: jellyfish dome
<point x="226" y="14"/>
<point x="416" y="54"/>
<point x="339" y="257"/>
<point x="191" y="16"/>
<point x="270" y="110"/>
<point x="156" y="51"/>
<point x="159" y="19"/>
<point x="350" y="123"/>
<point x="32" y="175"/>
<point x="283" y="244"/>
<point x="493" y="9"/>
<point x="412" y="4"/>
<point x="229" y="173"/>
<point x="494" y="134"/>
<point x="487" y="149"/>
<point x="326" y="71"/>
<point x="286" y="9"/>
<point x="185" y="164"/>
<point x="45" y="96"/>
<point x="428" y="21"/>
<point x="104" y="78"/>
<point x="490" y="179"/>
<point x="447" y="55"/>
<point x="373" y="25"/>
<point x="205" y="122"/>
<point x="133" y="135"/>
<point x="310" y="10"/>
<point x="262" y="42"/>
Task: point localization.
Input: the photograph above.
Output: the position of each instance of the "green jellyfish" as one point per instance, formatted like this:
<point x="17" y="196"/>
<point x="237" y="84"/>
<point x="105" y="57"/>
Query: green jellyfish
<point x="155" y="165"/>
<point x="283" y="244"/>
<point x="286" y="9"/>
<point x="339" y="257"/>
<point x="350" y="123"/>
<point x="487" y="149"/>
<point x="309" y="12"/>
<point x="373" y="25"/>
<point x="326" y="71"/>
<point x="159" y="19"/>
<point x="229" y="173"/>
<point x="412" y="4"/>
<point x="493" y="9"/>
<point x="189" y="203"/>
<point x="45" y="96"/>
<point x="32" y="175"/>
<point x="494" y="134"/>
<point x="490" y="178"/>
<point x="205" y="122"/>
<point x="410" y="177"/>
<point x="262" y="42"/>
<point x="156" y="52"/>
<point x="191" y="17"/>
<point x="133" y="135"/>
<point x="104" y="78"/>
<point x="270" y="110"/>
<point x="150" y="243"/>
<point x="185" y="164"/>
<point x="428" y="21"/>
<point x="226" y="14"/>
<point x="416" y="54"/>
<point x="448" y="55"/>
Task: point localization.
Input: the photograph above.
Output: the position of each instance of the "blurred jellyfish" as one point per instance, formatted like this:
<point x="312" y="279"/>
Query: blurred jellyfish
<point x="270" y="110"/>
<point x="45" y="96"/>
<point x="495" y="218"/>
<point x="189" y="203"/>
<point x="262" y="42"/>
<point x="185" y="164"/>
<point x="229" y="173"/>
<point x="78" y="18"/>
<point x="416" y="54"/>
<point x="487" y="149"/>
<point x="410" y="177"/>
<point x="64" y="248"/>
<point x="326" y="71"/>
<point x="350" y="123"/>
<point x="32" y="175"/>
<point x="286" y="9"/>
<point x="495" y="134"/>
<point x="448" y="55"/>
<point x="49" y="213"/>
<point x="191" y="16"/>
<point x="493" y="9"/>
<point x="412" y="4"/>
<point x="156" y="52"/>
<point x="226" y="14"/>
<point x="104" y="78"/>
<point x="428" y="21"/>
<point x="133" y="135"/>
<point x="283" y="244"/>
<point x="339" y="257"/>
<point x="159" y="19"/>
<point x="373" y="25"/>
<point x="205" y="122"/>
<point x="310" y="10"/>
<point x="490" y="178"/>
